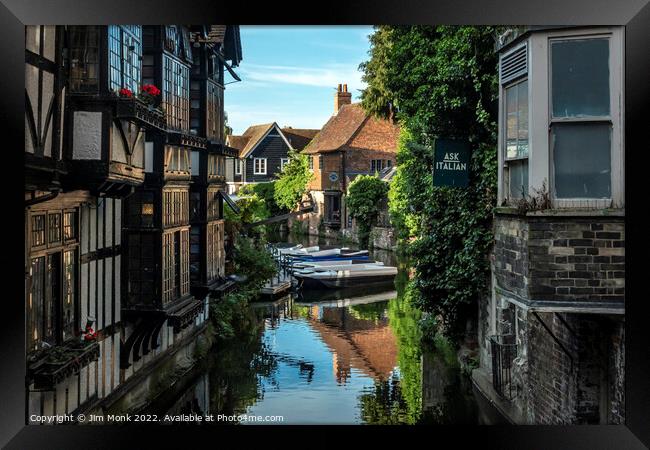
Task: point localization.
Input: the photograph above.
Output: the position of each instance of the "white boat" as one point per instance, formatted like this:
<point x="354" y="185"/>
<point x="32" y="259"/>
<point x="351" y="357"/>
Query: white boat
<point x="344" y="275"/>
<point x="342" y="262"/>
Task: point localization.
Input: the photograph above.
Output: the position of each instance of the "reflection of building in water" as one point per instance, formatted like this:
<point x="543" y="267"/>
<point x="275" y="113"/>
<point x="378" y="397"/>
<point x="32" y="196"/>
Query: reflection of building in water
<point x="436" y="376"/>
<point x="195" y="400"/>
<point x="366" y="345"/>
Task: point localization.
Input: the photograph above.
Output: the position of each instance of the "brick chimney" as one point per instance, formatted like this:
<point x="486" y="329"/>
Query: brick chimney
<point x="342" y="97"/>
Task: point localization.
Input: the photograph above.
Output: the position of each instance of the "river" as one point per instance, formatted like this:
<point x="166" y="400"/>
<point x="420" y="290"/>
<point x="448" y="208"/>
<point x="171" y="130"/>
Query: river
<point x="344" y="357"/>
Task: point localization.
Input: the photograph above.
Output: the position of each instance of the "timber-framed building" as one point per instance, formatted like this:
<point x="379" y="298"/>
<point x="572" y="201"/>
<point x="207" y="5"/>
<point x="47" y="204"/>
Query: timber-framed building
<point x="123" y="202"/>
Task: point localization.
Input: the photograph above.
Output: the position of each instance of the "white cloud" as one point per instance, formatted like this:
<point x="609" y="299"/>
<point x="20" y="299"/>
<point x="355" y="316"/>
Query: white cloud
<point x="326" y="76"/>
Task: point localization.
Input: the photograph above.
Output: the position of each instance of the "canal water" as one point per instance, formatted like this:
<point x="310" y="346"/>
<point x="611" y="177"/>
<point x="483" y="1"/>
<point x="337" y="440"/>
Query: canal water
<point x="341" y="357"/>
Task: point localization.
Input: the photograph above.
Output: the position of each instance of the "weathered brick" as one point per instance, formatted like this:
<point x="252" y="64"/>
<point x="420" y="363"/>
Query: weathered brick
<point x="581" y="242"/>
<point x="608" y="235"/>
<point x="588" y="234"/>
<point x="577" y="274"/>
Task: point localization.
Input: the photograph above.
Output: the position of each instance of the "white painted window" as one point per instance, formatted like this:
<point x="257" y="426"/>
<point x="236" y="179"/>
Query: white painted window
<point x="237" y="166"/>
<point x="283" y="162"/>
<point x="259" y="166"/>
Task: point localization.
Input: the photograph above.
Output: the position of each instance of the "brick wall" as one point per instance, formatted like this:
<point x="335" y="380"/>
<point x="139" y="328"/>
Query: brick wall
<point x="561" y="258"/>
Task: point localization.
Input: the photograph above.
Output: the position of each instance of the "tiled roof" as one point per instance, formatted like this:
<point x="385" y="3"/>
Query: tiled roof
<point x="251" y="137"/>
<point x="338" y="131"/>
<point x="238" y="142"/>
<point x="299" y="137"/>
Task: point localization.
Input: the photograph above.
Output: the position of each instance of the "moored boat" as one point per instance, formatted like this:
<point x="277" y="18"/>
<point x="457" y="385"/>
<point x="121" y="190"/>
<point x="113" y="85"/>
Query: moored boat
<point x="344" y="276"/>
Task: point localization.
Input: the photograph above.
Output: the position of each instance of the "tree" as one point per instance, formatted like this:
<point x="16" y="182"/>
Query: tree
<point x="363" y="198"/>
<point x="441" y="81"/>
<point x="292" y="183"/>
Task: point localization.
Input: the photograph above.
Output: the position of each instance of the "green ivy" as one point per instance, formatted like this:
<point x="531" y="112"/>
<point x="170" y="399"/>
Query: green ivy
<point x="364" y="196"/>
<point x="440" y="82"/>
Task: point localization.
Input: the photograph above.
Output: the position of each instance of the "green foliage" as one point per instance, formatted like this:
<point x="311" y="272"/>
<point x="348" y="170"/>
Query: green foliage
<point x="231" y="316"/>
<point x="443" y="82"/>
<point x="254" y="262"/>
<point x="292" y="182"/>
<point x="363" y="199"/>
<point x="404" y="318"/>
<point x="266" y="193"/>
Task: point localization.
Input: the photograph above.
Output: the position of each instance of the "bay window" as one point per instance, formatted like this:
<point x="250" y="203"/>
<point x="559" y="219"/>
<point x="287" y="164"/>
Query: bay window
<point x="176" y="93"/>
<point x="124" y="57"/>
<point x="52" y="283"/>
<point x="84" y="59"/>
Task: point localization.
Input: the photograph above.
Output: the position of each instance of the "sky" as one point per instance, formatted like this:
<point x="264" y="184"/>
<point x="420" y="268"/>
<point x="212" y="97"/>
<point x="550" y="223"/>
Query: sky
<point x="290" y="74"/>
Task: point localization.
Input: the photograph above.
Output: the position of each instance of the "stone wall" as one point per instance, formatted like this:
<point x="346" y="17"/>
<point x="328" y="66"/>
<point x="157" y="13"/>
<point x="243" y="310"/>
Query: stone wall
<point x="561" y="258"/>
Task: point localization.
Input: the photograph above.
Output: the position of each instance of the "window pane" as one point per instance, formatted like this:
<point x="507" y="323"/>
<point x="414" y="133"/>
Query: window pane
<point x="581" y="153"/>
<point x="69" y="283"/>
<point x="518" y="173"/>
<point x="517" y="120"/>
<point x="580" y="78"/>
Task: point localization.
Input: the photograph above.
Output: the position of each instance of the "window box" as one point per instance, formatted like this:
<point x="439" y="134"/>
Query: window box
<point x="136" y="110"/>
<point x="55" y="364"/>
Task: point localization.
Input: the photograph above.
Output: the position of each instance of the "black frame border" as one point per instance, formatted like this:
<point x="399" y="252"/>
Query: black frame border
<point x="634" y="14"/>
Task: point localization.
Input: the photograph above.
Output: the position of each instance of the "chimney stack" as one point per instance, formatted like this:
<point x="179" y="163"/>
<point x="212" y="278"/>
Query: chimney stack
<point x="342" y="97"/>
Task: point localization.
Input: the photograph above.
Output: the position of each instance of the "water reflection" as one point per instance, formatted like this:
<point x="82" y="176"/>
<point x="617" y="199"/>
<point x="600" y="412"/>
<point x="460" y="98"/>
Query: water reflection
<point x="348" y="356"/>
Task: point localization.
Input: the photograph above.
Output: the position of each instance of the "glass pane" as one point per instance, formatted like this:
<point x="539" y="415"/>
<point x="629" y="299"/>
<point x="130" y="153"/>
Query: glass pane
<point x="522" y="108"/>
<point x="581" y="153"/>
<point x="517" y="120"/>
<point x="518" y="173"/>
<point x="580" y="78"/>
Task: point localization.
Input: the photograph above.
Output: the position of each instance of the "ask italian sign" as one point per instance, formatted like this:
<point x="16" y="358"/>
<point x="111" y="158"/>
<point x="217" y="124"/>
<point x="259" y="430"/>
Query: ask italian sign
<point x="451" y="162"/>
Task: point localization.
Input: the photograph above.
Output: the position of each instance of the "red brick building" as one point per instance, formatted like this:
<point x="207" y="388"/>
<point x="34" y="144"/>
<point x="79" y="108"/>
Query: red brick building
<point x="350" y="143"/>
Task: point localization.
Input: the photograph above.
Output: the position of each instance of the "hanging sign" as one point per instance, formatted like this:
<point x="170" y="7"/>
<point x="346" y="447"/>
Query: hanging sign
<point x="451" y="162"/>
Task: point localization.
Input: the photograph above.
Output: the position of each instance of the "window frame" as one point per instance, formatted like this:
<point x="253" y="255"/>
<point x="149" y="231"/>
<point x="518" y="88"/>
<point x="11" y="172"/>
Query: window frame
<point x="283" y="162"/>
<point x="126" y="36"/>
<point x="541" y="170"/>
<point x="238" y="164"/>
<point x="259" y="172"/>
<point x="503" y="142"/>
<point x="614" y="109"/>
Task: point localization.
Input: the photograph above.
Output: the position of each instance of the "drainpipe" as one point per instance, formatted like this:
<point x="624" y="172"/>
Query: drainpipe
<point x="42" y="198"/>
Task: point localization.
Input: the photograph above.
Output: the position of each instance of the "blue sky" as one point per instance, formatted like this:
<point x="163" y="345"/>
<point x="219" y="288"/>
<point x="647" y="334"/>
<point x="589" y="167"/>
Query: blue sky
<point x="290" y="73"/>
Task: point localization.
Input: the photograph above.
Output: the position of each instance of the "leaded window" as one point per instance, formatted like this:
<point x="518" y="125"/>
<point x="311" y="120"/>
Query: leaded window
<point x="177" y="159"/>
<point x="214" y="204"/>
<point x="142" y="275"/>
<point x="54" y="228"/>
<point x="70" y="225"/>
<point x="175" y="207"/>
<point x="51" y="300"/>
<point x="214" y="111"/>
<point x="84" y="59"/>
<point x="38" y="230"/>
<point x="125" y="56"/>
<point x="176" y="93"/>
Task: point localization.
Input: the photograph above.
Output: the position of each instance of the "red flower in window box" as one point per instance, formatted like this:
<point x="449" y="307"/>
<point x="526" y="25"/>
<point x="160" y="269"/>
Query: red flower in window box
<point x="150" y="94"/>
<point x="126" y="92"/>
<point x="89" y="334"/>
<point x="151" y="90"/>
